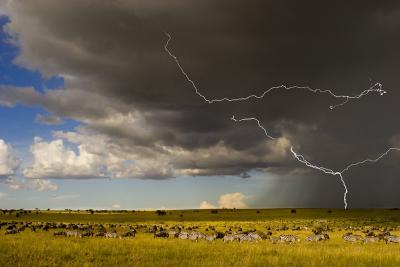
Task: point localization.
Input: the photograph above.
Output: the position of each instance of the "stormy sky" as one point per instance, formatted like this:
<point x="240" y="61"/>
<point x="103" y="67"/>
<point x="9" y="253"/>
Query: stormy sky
<point x="120" y="109"/>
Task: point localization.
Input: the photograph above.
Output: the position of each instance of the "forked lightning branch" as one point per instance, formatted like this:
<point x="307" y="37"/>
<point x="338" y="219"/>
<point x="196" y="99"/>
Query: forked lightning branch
<point x="374" y="88"/>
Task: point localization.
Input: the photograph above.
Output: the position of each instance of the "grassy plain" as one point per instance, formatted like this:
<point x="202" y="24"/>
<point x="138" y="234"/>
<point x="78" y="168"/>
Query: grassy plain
<point x="41" y="248"/>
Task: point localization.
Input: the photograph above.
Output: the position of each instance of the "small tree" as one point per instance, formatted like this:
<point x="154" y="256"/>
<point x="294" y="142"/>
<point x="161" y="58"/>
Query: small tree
<point x="161" y="212"/>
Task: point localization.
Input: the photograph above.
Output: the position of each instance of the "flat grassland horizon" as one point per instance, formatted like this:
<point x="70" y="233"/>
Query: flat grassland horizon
<point x="40" y="247"/>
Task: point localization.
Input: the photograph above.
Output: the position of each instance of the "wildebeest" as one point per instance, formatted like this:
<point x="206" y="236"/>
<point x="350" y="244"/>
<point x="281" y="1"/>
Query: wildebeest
<point x="130" y="233"/>
<point x="100" y="234"/>
<point x="219" y="235"/>
<point x="161" y="234"/>
<point x="87" y="234"/>
<point x="11" y="231"/>
<point x="60" y="233"/>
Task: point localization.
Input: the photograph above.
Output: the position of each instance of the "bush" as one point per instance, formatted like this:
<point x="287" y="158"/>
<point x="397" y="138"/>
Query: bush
<point x="161" y="212"/>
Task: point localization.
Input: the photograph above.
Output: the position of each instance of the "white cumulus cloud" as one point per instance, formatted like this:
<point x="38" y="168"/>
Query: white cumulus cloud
<point x="55" y="160"/>
<point x="235" y="200"/>
<point x="115" y="206"/>
<point x="43" y="185"/>
<point x="9" y="163"/>
<point x="206" y="205"/>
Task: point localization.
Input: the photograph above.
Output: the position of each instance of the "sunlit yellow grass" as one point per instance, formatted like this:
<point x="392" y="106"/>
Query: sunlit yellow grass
<point x="43" y="249"/>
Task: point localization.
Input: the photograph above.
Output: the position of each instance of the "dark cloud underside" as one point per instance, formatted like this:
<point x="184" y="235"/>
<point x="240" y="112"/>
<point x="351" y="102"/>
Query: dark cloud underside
<point x="111" y="55"/>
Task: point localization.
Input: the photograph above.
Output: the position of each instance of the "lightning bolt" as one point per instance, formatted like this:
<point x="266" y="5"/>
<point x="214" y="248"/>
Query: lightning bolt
<point x="377" y="87"/>
<point x="340" y="173"/>
<point x="302" y="159"/>
<point x="258" y="123"/>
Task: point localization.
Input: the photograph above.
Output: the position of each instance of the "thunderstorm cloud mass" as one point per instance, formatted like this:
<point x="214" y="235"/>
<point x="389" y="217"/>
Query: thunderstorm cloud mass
<point x="94" y="106"/>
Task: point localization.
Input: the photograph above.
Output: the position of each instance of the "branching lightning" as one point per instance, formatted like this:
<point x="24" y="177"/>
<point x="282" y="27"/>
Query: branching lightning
<point x="258" y="123"/>
<point x="340" y="173"/>
<point x="377" y="87"/>
<point x="301" y="159"/>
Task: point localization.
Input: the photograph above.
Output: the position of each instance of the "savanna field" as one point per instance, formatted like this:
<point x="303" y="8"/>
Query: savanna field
<point x="213" y="238"/>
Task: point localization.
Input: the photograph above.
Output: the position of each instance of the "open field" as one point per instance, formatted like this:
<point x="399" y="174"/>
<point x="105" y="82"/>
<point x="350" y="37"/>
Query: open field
<point x="41" y="247"/>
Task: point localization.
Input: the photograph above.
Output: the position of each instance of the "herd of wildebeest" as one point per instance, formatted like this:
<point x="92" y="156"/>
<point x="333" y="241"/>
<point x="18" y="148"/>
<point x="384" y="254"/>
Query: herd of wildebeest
<point x="368" y="234"/>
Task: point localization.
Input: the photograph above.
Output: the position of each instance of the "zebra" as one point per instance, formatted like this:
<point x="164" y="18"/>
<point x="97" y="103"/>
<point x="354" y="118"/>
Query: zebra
<point x="111" y="235"/>
<point x="351" y="238"/>
<point x="210" y="238"/>
<point x="255" y="236"/>
<point x="392" y="239"/>
<point x="251" y="237"/>
<point x="229" y="238"/>
<point x="183" y="235"/>
<point x="73" y="234"/>
<point x="317" y="238"/>
<point x="194" y="236"/>
<point x="289" y="238"/>
<point x="173" y="233"/>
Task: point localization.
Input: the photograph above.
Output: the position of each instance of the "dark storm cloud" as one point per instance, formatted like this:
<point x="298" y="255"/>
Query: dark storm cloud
<point x="111" y="56"/>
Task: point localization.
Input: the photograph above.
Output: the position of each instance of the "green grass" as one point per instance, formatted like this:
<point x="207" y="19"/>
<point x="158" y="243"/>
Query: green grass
<point x="43" y="249"/>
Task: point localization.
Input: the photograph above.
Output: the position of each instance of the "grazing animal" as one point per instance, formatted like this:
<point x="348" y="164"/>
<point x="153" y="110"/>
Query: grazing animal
<point x="101" y="233"/>
<point x="11" y="231"/>
<point x="289" y="238"/>
<point x="194" y="236"/>
<point x="173" y="233"/>
<point x="161" y="234"/>
<point x="392" y="239"/>
<point x="87" y="234"/>
<point x="219" y="235"/>
<point x="349" y="237"/>
<point x="183" y="235"/>
<point x="73" y="234"/>
<point x="317" y="238"/>
<point x="111" y="235"/>
<point x="61" y="233"/>
<point x="229" y="238"/>
<point x="210" y="238"/>
<point x="130" y="233"/>
<point x="250" y="237"/>
<point x="255" y="236"/>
